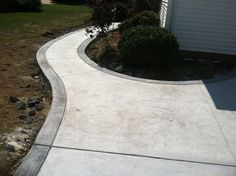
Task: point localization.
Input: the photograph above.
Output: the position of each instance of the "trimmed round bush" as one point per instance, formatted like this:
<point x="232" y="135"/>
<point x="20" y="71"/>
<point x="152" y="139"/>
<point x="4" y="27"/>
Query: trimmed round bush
<point x="148" y="46"/>
<point x="20" y="5"/>
<point x="146" y="18"/>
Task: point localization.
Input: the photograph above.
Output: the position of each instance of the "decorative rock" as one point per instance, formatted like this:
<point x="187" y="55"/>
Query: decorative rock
<point x="21" y="117"/>
<point x="39" y="107"/>
<point x="29" y="119"/>
<point x="23" y="131"/>
<point x="13" y="146"/>
<point x="27" y="142"/>
<point x="32" y="103"/>
<point x="13" y="99"/>
<point x="36" y="77"/>
<point x="10" y="147"/>
<point x="119" y="68"/>
<point x="41" y="98"/>
<point x="20" y="105"/>
<point x="32" y="112"/>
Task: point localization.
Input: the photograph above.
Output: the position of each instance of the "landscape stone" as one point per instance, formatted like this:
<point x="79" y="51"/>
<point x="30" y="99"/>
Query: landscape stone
<point x="32" y="103"/>
<point x="13" y="99"/>
<point x="23" y="131"/>
<point x="20" y="105"/>
<point x="39" y="107"/>
<point x="29" y="119"/>
<point x="119" y="68"/>
<point x="36" y="77"/>
<point x="21" y="117"/>
<point x="10" y="147"/>
<point x="32" y="112"/>
<point x="13" y="146"/>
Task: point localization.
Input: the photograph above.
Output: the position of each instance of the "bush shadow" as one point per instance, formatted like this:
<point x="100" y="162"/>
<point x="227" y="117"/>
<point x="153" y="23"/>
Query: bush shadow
<point x="223" y="94"/>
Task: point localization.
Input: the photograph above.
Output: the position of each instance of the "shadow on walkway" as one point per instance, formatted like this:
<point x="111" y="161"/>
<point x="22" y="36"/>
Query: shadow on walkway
<point x="223" y="94"/>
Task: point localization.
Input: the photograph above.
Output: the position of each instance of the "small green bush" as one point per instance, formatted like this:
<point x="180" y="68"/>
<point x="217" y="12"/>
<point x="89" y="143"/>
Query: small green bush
<point x="148" y="46"/>
<point x="20" y="5"/>
<point x="144" y="18"/>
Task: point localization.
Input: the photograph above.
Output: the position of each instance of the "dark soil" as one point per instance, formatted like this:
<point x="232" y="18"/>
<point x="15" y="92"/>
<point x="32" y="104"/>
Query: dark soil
<point x="21" y="35"/>
<point x="185" y="70"/>
<point x="21" y="77"/>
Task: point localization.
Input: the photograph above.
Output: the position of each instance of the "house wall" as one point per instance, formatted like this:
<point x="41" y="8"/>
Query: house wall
<point x="204" y="25"/>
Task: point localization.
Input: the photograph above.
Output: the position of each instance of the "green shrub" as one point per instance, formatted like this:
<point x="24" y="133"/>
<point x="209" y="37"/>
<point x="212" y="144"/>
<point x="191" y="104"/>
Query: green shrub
<point x="144" y="18"/>
<point x="20" y="5"/>
<point x="148" y="46"/>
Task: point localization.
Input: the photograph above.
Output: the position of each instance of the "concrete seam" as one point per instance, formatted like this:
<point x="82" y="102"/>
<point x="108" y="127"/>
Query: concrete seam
<point x="141" y="156"/>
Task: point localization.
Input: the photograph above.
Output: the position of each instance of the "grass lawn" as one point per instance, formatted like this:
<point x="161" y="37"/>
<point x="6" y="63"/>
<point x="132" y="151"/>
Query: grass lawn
<point x="21" y="35"/>
<point x="15" y="26"/>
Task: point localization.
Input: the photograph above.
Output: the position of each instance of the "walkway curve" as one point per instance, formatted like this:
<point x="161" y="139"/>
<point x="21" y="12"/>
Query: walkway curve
<point x="105" y="125"/>
<point x="82" y="53"/>
<point x="38" y="152"/>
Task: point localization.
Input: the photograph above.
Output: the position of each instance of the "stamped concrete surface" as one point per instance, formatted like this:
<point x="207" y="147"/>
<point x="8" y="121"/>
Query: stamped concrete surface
<point x="116" y="126"/>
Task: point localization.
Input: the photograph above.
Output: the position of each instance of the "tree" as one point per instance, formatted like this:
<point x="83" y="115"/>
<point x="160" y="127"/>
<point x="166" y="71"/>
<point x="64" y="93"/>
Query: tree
<point x="20" y="5"/>
<point x="102" y="18"/>
<point x="149" y="5"/>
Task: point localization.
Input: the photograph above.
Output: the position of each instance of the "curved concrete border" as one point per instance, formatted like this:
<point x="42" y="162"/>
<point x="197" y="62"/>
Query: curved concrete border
<point x="35" y="158"/>
<point x="82" y="53"/>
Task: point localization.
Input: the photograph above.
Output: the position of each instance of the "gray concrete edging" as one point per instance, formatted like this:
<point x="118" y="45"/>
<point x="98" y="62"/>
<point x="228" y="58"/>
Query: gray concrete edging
<point x="82" y="53"/>
<point x="35" y="158"/>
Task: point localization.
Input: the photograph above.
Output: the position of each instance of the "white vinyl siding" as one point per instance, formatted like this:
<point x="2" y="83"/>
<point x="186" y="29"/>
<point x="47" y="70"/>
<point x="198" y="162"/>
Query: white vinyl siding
<point x="204" y="25"/>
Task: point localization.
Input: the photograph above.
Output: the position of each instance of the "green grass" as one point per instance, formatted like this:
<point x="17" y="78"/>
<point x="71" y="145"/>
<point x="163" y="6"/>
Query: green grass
<point x="28" y="25"/>
<point x="21" y="34"/>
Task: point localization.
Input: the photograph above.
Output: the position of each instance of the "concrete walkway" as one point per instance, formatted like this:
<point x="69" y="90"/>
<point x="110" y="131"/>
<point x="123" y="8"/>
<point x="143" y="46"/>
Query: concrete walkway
<point x="46" y="1"/>
<point x="119" y="126"/>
